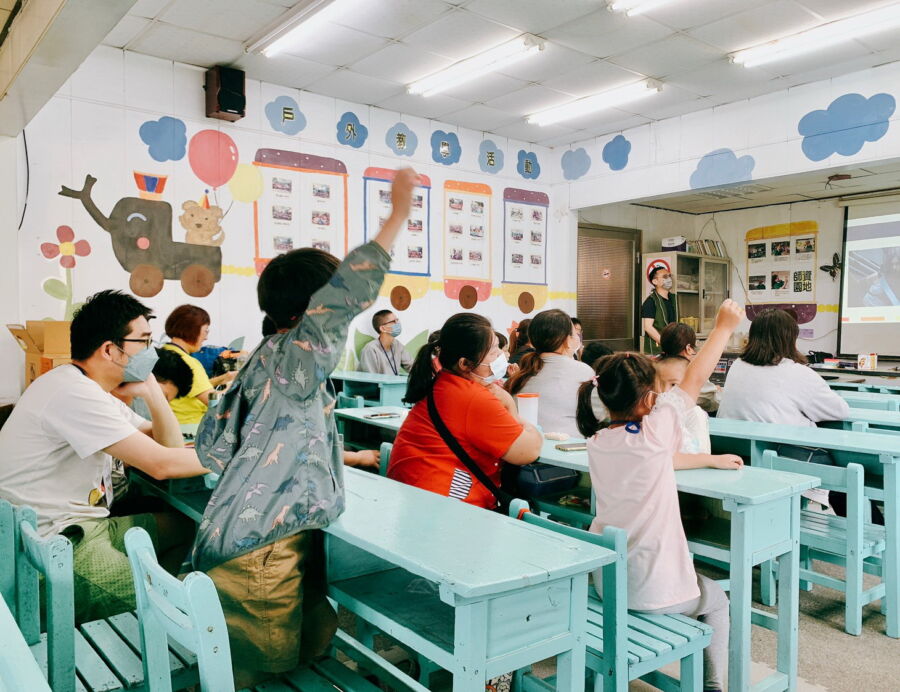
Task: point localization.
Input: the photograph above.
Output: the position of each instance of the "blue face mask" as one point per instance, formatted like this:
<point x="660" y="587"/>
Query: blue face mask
<point x="140" y="365"/>
<point x="396" y="329"/>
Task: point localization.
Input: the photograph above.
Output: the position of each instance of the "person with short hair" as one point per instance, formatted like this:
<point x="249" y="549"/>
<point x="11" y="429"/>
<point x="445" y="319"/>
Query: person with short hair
<point x="679" y="340"/>
<point x="579" y="332"/>
<point x="659" y="309"/>
<point x="593" y="351"/>
<point x="57" y="447"/>
<point x="385" y="354"/>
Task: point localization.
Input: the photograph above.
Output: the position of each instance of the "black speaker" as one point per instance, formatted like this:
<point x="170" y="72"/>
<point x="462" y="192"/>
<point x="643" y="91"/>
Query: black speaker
<point x="225" y="98"/>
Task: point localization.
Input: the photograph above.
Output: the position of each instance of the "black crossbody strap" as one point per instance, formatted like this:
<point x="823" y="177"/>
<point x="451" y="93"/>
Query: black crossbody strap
<point x="461" y="453"/>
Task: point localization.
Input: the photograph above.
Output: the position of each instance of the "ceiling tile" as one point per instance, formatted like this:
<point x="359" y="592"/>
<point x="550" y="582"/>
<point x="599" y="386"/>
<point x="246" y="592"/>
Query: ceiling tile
<point x="459" y="35"/>
<point x="529" y="100"/>
<point x="480" y="117"/>
<point x="148" y="8"/>
<point x="605" y="33"/>
<point x="679" y="108"/>
<point x="431" y="107"/>
<point x="837" y="9"/>
<point x="533" y="16"/>
<point x="531" y="133"/>
<point x="722" y="75"/>
<point x="687" y="15"/>
<point x="655" y="103"/>
<point x="756" y="25"/>
<point x="286" y="70"/>
<point x="400" y="63"/>
<point x="843" y="59"/>
<point x="553" y="60"/>
<point x="564" y="140"/>
<point x="487" y="87"/>
<point x="603" y="121"/>
<point x="352" y="86"/>
<point x="671" y="55"/>
<point x="185" y="45"/>
<point x="592" y="78"/>
<point x="391" y="18"/>
<point x="237" y="20"/>
<point x="333" y="44"/>
<point x="127" y="28"/>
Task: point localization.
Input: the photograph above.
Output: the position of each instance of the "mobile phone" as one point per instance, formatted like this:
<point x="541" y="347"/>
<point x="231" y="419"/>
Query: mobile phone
<point x="382" y="415"/>
<point x="572" y="447"/>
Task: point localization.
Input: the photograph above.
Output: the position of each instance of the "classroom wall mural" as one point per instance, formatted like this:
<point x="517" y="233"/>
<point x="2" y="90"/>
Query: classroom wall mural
<point x="846" y="125"/>
<point x="136" y="189"/>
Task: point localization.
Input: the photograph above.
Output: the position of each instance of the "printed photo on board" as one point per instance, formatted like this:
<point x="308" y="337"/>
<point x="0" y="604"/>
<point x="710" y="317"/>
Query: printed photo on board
<point x="281" y="185"/>
<point x="516" y="235"/>
<point x="474" y="255"/>
<point x="414" y="252"/>
<point x="779" y="280"/>
<point x="804" y="246"/>
<point x="282" y="213"/>
<point x="456" y="204"/>
<point x="536" y="260"/>
<point x="455" y="228"/>
<point x="537" y="215"/>
<point x="477" y="207"/>
<point x="283" y="243"/>
<point x="517" y="258"/>
<point x="322" y="245"/>
<point x="758" y="282"/>
<point x="516" y="214"/>
<point x="321" y="218"/>
<point x="756" y="250"/>
<point x="456" y="254"/>
<point x="321" y="191"/>
<point x="537" y="237"/>
<point x="414" y="225"/>
<point x="384" y="196"/>
<point x="781" y="248"/>
<point x="476" y="231"/>
<point x="417" y="201"/>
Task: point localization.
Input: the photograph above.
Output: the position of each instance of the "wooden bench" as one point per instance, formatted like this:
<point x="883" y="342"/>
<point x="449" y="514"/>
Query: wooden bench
<point x="98" y="655"/>
<point x="623" y="645"/>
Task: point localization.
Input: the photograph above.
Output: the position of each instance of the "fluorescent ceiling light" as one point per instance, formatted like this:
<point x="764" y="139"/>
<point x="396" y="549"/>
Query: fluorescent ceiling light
<point x="476" y="66"/>
<point x="819" y="37"/>
<point x="634" y="7"/>
<point x="597" y="102"/>
<point x="293" y="26"/>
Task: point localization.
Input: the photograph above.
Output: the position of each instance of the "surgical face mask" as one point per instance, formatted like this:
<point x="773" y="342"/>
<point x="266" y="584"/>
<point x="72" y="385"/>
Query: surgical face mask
<point x="140" y="365"/>
<point x="667" y="284"/>
<point x="498" y="368"/>
<point x="396" y="329"/>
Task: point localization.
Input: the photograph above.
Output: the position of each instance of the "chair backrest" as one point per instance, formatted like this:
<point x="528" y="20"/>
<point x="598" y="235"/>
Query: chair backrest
<point x="52" y="558"/>
<point x="188" y="611"/>
<point x="347" y="401"/>
<point x="874" y="404"/>
<point x="614" y="579"/>
<point x="384" y="457"/>
<point x="7" y="550"/>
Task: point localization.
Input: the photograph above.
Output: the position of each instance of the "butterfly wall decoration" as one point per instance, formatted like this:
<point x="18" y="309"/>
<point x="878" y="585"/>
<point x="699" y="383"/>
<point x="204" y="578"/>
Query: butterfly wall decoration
<point x="834" y="267"/>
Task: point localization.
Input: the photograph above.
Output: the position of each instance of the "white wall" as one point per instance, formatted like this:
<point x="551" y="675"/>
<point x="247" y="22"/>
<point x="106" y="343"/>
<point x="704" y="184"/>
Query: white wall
<point x="11" y="358"/>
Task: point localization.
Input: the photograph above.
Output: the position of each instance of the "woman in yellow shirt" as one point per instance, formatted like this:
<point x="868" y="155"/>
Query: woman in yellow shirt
<point x="187" y="328"/>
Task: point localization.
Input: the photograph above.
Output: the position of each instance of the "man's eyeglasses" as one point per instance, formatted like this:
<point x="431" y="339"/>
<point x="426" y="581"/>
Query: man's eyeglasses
<point x="147" y="341"/>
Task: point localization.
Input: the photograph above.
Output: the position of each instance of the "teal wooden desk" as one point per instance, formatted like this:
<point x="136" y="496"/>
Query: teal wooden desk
<point x="867" y="386"/>
<point x="365" y="415"/>
<point x="19" y="671"/>
<point x="879" y="454"/>
<point x="888" y="402"/>
<point x="867" y="420"/>
<point x="765" y="523"/>
<point x="391" y="388"/>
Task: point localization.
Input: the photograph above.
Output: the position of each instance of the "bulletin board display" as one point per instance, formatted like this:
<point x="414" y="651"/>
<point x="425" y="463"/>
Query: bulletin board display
<point x="303" y="204"/>
<point x="525" y="236"/>
<point x="467" y="238"/>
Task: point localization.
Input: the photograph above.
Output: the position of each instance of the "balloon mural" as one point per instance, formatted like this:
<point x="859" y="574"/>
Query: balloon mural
<point x="213" y="156"/>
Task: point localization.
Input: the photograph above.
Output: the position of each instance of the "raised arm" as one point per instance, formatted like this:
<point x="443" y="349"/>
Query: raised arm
<point x="728" y="318"/>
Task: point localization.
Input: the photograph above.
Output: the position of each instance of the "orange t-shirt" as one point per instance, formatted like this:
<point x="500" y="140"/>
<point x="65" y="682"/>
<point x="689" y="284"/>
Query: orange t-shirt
<point x="477" y="420"/>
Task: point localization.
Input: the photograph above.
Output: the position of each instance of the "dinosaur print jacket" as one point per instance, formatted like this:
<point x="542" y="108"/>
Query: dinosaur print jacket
<point x="272" y="437"/>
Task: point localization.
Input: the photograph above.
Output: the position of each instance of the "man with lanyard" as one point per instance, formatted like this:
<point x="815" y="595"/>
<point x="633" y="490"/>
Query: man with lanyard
<point x="385" y="355"/>
<point x="659" y="309"/>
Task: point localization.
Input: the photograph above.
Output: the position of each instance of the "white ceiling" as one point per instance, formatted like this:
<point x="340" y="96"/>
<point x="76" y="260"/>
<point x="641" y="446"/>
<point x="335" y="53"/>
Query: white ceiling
<point x="375" y="47"/>
<point x="801" y="187"/>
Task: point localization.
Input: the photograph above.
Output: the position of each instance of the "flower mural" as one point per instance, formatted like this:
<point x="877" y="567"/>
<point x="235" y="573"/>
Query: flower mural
<point x="66" y="249"/>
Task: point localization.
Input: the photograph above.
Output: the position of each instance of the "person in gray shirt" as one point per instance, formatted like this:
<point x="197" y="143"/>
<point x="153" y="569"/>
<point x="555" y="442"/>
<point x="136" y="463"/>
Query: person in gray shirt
<point x="385" y="355"/>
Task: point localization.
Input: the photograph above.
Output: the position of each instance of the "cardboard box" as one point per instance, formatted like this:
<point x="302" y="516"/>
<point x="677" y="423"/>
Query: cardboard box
<point x="867" y="361"/>
<point x="46" y="345"/>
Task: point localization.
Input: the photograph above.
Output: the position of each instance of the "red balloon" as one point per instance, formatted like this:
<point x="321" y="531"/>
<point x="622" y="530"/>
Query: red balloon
<point x="213" y="156"/>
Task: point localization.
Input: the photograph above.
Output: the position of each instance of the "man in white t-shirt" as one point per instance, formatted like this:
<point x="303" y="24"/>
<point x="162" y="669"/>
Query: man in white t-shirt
<point x="56" y="450"/>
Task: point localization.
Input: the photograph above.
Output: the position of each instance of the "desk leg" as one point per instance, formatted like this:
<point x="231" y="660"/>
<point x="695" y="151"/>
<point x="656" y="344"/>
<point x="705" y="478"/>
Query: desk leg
<point x="570" y="664"/>
<point x="891" y="571"/>
<point x="767" y="568"/>
<point x="789" y="601"/>
<point x="741" y="591"/>
<point x="470" y="647"/>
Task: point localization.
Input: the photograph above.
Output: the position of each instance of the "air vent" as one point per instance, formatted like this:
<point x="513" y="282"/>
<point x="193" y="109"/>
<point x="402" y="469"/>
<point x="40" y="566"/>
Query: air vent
<point x="734" y="192"/>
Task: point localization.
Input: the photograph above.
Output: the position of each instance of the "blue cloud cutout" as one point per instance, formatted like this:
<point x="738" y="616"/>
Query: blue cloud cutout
<point x="490" y="156"/>
<point x="445" y="147"/>
<point x="575" y="163"/>
<point x="401" y="140"/>
<point x="165" y="138"/>
<point x="285" y="116"/>
<point x="351" y="132"/>
<point x="616" y="152"/>
<point x="528" y="165"/>
<point x="722" y="167"/>
<point x="846" y="125"/>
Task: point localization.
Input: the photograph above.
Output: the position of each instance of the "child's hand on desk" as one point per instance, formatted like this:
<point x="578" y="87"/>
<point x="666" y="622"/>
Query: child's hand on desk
<point x="729" y="316"/>
<point x="364" y="458"/>
<point x="728" y="462"/>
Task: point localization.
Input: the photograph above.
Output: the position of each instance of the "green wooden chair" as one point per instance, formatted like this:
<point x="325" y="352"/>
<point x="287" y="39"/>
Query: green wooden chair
<point x="189" y="613"/>
<point x="384" y="458"/>
<point x="95" y="656"/>
<point x="851" y="542"/>
<point x="622" y="645"/>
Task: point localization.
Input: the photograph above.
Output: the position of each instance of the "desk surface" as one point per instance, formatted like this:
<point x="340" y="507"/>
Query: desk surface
<point x="469" y="550"/>
<point x="850" y="395"/>
<point x="364" y="415"/>
<point x="370" y="377"/>
<point x="869" y="415"/>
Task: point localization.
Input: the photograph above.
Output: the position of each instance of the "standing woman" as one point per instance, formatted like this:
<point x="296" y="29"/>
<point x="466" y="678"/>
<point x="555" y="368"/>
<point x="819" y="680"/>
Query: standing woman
<point x="659" y="309"/>
<point x="188" y="327"/>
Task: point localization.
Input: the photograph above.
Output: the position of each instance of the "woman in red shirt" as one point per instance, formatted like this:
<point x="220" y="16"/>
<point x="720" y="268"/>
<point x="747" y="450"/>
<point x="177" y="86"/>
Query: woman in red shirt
<point x="479" y="413"/>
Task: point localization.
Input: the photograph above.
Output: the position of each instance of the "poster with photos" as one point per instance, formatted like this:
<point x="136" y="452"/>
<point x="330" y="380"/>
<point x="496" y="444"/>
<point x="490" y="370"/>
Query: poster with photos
<point x="781" y="263"/>
<point x="467" y="231"/>
<point x="303" y="204"/>
<point x="412" y="250"/>
<point x="525" y="236"/>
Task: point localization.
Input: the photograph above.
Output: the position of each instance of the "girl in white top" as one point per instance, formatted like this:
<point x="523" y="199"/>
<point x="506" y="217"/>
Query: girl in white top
<point x="632" y="466"/>
<point x="552" y="373"/>
<point x="678" y="339"/>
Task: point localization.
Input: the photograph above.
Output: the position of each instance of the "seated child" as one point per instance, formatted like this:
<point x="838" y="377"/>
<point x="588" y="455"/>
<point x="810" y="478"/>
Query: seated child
<point x="632" y="466"/>
<point x="273" y="440"/>
<point x="678" y="339"/>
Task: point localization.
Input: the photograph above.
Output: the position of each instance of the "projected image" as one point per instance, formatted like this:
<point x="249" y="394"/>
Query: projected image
<point x="874" y="277"/>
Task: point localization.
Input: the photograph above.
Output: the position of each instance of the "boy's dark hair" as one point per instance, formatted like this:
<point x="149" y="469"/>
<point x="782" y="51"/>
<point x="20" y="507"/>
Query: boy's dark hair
<point x="593" y="351"/>
<point x="577" y="321"/>
<point x="501" y="339"/>
<point x="773" y="337"/>
<point x="676" y="337"/>
<point x="105" y="316"/>
<point x="519" y="337"/>
<point x="268" y="326"/>
<point x="653" y="272"/>
<point x="185" y="322"/>
<point x="622" y="379"/>
<point x="171" y="368"/>
<point x="289" y="281"/>
<point x="547" y="332"/>
<point x="378" y="319"/>
<point x="464" y="335"/>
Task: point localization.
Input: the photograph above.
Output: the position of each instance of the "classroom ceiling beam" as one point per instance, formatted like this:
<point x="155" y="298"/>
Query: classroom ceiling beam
<point x="46" y="43"/>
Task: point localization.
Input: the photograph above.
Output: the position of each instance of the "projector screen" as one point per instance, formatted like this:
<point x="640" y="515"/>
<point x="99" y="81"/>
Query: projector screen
<point x="870" y="282"/>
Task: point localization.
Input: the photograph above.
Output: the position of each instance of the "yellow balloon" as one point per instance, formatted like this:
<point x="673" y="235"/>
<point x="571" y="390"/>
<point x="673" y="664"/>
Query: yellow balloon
<point x="246" y="185"/>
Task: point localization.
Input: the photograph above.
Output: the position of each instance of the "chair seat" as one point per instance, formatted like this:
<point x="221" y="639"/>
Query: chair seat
<point x="327" y="675"/>
<point x="570" y="514"/>
<point x="828" y="533"/>
<point x="649" y="636"/>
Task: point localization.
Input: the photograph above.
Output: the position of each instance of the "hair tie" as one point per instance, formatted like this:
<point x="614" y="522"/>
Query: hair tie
<point x="594" y="381"/>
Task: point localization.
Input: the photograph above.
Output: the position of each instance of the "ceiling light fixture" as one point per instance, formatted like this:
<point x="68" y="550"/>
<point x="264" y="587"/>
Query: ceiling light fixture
<point x="292" y="26"/>
<point x="819" y="37"/>
<point x="635" y="7"/>
<point x="471" y="68"/>
<point x="597" y="102"/>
